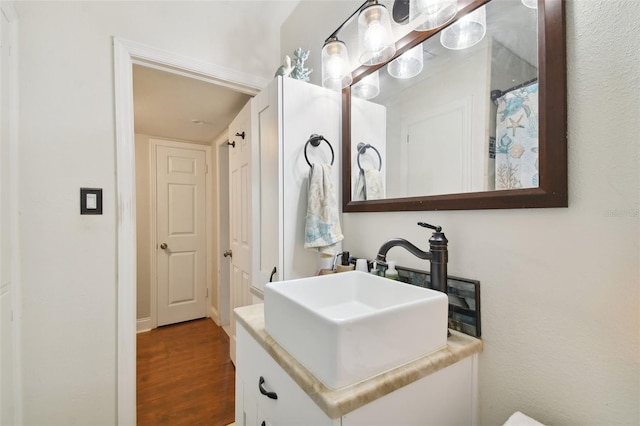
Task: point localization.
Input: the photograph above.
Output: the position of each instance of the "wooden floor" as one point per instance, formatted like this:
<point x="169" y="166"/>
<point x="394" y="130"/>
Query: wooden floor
<point x="185" y="376"/>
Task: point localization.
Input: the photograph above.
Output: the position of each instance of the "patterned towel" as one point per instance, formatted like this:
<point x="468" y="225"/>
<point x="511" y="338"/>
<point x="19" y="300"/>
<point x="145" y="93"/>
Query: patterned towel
<point x="369" y="185"/>
<point x="517" y="139"/>
<point x="322" y="228"/>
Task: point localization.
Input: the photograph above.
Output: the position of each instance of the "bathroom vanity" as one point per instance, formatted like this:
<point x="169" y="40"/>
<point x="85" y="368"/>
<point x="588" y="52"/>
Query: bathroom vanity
<point x="273" y="388"/>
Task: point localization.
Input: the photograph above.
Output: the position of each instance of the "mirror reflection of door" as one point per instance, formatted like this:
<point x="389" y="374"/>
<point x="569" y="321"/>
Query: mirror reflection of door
<point x="437" y="146"/>
<point x="181" y="232"/>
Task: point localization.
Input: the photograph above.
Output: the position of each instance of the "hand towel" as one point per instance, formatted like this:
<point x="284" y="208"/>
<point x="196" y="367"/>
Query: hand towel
<point x="322" y="227"/>
<point x="369" y="185"/>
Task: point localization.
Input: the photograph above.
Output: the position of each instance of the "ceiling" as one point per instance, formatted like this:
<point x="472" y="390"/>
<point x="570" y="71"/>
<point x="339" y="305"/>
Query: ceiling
<point x="177" y="107"/>
<point x="173" y="106"/>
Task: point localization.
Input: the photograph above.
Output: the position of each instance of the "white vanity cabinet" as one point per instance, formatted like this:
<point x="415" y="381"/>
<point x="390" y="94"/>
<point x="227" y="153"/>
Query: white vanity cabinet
<point x="292" y="406"/>
<point x="446" y="397"/>
<point x="284" y="115"/>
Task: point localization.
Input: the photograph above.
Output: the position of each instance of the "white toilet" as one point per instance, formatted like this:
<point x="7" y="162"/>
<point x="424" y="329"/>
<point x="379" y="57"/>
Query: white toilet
<point x="519" y="419"/>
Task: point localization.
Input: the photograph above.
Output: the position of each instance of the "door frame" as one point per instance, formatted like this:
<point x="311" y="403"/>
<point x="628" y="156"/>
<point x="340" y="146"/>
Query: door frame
<point x="126" y="53"/>
<point x="15" y="287"/>
<point x="209" y="227"/>
<point x="222" y="315"/>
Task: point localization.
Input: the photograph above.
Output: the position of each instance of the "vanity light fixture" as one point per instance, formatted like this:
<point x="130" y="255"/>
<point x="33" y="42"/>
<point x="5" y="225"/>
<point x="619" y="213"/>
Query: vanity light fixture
<point x="407" y="65"/>
<point x="376" y="45"/>
<point x="336" y="68"/>
<point x="368" y="87"/>
<point x="432" y="13"/>
<point x="465" y="32"/>
<point x="375" y="34"/>
<point x="531" y="4"/>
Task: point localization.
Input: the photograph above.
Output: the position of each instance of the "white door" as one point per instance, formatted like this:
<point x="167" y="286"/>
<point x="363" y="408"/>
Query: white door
<point x="438" y="149"/>
<point x="240" y="213"/>
<point x="180" y="233"/>
<point x="224" y="270"/>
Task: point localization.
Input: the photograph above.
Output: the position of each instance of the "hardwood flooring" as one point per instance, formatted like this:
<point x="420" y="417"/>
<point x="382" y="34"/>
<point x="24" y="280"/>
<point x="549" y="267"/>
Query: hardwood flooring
<point x="185" y="376"/>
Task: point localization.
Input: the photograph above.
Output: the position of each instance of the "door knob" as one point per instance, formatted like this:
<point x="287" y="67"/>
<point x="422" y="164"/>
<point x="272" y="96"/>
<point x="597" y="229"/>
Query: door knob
<point x="163" y="246"/>
<point x="228" y="253"/>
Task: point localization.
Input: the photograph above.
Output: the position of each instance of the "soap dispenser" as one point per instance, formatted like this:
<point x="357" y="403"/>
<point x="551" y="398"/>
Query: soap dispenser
<point x="374" y="268"/>
<point x="391" y="271"/>
<point x="346" y="265"/>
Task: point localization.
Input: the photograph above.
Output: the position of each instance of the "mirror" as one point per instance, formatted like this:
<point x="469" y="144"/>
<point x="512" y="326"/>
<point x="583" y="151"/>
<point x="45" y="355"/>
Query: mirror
<point x="463" y="133"/>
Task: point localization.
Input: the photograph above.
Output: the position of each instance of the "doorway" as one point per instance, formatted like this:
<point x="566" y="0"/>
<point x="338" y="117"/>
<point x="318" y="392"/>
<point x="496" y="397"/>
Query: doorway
<point x="126" y="54"/>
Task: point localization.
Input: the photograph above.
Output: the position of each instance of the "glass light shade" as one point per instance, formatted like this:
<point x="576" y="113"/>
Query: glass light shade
<point x="432" y="14"/>
<point x="375" y="35"/>
<point x="368" y="87"/>
<point x="531" y="4"/>
<point x="336" y="72"/>
<point x="407" y="65"/>
<point x="466" y="32"/>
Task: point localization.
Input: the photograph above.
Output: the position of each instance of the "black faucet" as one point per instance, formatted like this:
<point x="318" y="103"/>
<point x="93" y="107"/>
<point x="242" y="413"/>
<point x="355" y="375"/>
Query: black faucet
<point x="437" y="255"/>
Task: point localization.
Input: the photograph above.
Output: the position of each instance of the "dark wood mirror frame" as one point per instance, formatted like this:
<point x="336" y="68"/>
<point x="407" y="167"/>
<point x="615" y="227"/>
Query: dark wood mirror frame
<point x="552" y="190"/>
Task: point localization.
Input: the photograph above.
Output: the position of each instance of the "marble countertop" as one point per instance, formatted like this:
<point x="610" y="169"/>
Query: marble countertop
<point x="336" y="403"/>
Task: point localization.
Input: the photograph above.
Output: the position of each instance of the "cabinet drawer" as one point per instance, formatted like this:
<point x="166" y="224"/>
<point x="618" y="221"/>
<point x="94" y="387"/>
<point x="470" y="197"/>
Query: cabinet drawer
<point x="280" y="401"/>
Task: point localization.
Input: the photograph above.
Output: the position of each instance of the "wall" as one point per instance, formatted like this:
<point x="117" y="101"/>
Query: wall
<point x="67" y="141"/>
<point x="297" y="31"/>
<point x="143" y="228"/>
<point x="560" y="287"/>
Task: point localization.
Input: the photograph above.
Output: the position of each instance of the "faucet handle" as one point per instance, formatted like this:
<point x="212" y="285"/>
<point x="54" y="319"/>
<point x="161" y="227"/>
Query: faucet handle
<point x="426" y="225"/>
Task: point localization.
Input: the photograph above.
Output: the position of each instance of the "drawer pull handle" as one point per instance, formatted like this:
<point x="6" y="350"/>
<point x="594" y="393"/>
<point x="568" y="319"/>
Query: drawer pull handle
<point x="265" y="392"/>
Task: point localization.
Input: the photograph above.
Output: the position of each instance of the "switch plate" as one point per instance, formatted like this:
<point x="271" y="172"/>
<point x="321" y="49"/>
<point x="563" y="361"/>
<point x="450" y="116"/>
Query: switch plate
<point x="90" y="200"/>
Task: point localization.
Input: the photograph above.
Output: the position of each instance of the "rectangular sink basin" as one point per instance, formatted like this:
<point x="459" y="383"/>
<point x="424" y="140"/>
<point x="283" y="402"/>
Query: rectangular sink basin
<point x="348" y="327"/>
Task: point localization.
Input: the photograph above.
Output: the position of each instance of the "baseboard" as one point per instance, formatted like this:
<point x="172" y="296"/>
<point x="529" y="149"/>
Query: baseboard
<point x="227" y="329"/>
<point x="143" y="324"/>
<point x="214" y="315"/>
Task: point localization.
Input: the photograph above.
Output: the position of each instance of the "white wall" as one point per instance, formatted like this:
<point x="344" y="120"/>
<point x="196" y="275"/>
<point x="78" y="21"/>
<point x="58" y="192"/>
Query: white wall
<point x="143" y="227"/>
<point x="560" y="287"/>
<point x="67" y="141"/>
<point x="309" y="25"/>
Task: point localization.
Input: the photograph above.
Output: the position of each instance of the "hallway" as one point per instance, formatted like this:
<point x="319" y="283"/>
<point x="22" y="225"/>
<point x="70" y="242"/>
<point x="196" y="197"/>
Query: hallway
<point x="185" y="375"/>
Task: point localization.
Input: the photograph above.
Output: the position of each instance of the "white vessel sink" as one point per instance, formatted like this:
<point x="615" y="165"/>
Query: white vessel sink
<point x="347" y="327"/>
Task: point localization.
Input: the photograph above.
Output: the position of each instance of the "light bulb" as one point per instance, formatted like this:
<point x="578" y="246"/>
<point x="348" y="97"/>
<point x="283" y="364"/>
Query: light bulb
<point x="336" y="73"/>
<point x="375" y="35"/>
